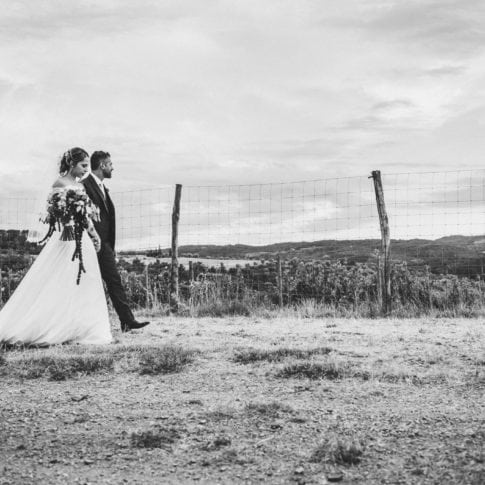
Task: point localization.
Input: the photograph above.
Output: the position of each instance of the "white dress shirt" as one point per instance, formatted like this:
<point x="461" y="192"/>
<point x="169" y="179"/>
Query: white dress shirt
<point x="100" y="184"/>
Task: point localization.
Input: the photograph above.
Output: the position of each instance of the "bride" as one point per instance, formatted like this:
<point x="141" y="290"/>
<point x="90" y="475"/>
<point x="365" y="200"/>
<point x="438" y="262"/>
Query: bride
<point x="54" y="303"/>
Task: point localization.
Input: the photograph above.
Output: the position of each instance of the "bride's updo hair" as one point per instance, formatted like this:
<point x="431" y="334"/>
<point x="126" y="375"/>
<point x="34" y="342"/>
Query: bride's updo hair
<point x="72" y="157"/>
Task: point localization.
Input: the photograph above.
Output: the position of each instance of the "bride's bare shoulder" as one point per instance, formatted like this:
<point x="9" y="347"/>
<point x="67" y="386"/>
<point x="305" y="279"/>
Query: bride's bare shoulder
<point x="62" y="182"/>
<point x="59" y="183"/>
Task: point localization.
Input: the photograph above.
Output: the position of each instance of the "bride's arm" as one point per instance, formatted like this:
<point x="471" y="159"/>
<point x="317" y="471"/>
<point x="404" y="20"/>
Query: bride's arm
<point x="94" y="236"/>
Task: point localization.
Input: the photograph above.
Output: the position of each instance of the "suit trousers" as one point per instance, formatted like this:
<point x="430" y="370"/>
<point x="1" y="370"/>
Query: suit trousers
<point x="112" y="278"/>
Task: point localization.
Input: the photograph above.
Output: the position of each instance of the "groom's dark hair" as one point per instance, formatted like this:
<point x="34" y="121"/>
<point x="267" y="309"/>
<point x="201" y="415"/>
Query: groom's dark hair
<point x="97" y="158"/>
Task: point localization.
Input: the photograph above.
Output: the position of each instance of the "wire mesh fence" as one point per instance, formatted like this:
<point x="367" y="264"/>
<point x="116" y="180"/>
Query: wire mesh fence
<point x="285" y="243"/>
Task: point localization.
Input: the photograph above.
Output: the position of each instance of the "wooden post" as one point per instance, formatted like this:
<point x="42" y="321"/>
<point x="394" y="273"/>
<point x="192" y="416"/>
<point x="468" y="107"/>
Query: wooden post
<point x="280" y="282"/>
<point x="174" y="280"/>
<point x="9" y="281"/>
<point x="191" y="271"/>
<point x="428" y="287"/>
<point x="379" y="278"/>
<point x="480" y="289"/>
<point x="385" y="255"/>
<point x="147" y="287"/>
<point x="238" y="281"/>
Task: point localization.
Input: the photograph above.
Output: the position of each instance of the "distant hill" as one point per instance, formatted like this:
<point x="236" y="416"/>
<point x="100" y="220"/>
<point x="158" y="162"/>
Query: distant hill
<point x="461" y="255"/>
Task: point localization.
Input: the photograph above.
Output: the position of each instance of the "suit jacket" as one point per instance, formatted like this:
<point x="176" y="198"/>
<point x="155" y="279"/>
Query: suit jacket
<point x="106" y="226"/>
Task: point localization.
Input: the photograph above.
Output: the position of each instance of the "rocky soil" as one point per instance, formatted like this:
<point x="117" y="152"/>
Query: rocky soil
<point x="365" y="401"/>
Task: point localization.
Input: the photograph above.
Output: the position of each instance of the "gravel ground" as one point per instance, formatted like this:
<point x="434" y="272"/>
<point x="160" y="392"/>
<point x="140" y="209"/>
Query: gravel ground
<point x="405" y="405"/>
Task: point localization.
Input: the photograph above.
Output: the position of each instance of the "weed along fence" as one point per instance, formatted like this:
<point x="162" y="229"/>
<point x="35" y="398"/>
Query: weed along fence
<point x="404" y="244"/>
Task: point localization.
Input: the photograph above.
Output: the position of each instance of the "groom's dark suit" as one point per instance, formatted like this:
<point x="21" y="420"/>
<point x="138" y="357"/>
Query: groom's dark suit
<point x="106" y="228"/>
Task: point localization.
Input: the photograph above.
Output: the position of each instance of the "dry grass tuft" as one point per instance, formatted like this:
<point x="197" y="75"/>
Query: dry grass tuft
<point x="58" y="367"/>
<point x="271" y="409"/>
<point x="396" y="377"/>
<point x="158" y="438"/>
<point x="339" y="451"/>
<point x="222" y="308"/>
<point x="314" y="370"/>
<point x="219" y="415"/>
<point x="164" y="360"/>
<point x="216" y="444"/>
<point x="248" y="356"/>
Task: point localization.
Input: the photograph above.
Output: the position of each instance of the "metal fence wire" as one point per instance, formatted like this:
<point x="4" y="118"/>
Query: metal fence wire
<point x="285" y="241"/>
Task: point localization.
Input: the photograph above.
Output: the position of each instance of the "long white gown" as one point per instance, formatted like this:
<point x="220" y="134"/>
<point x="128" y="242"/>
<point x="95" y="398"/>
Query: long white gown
<point x="48" y="307"/>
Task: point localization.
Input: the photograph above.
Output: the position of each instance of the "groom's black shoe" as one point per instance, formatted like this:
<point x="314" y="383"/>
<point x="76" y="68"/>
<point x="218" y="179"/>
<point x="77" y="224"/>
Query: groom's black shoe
<point x="127" y="327"/>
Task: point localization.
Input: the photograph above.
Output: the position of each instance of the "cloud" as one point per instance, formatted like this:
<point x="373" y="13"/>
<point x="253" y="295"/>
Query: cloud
<point x="228" y="93"/>
<point x="446" y="70"/>
<point x="448" y="27"/>
<point x="392" y="104"/>
<point x="56" y="18"/>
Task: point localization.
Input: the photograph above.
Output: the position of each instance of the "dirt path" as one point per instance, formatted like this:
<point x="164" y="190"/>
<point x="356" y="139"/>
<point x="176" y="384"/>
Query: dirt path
<point x="405" y="405"/>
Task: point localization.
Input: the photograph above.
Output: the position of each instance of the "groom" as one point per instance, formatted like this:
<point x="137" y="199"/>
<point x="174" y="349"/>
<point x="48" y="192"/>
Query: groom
<point x="101" y="168"/>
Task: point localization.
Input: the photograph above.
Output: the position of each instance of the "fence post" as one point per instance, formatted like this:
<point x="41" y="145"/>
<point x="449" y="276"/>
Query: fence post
<point x="280" y="283"/>
<point x="147" y="287"/>
<point x="379" y="277"/>
<point x="238" y="281"/>
<point x="191" y="271"/>
<point x="385" y="254"/>
<point x="174" y="280"/>
<point x="428" y="287"/>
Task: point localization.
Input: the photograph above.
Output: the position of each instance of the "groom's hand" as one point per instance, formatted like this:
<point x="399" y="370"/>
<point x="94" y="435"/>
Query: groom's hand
<point x="97" y="243"/>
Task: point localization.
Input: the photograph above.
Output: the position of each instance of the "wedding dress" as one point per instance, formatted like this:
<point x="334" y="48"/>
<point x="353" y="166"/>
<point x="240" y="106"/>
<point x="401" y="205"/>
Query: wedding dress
<point x="49" y="307"/>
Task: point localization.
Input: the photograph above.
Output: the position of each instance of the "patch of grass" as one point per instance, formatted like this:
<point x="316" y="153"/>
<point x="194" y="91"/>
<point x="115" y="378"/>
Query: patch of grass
<point x="396" y="377"/>
<point x="395" y="373"/>
<point x="411" y="378"/>
<point x="164" y="360"/>
<point x="271" y="409"/>
<point x="333" y="370"/>
<point x="226" y="457"/>
<point x="129" y="350"/>
<point x="216" y="444"/>
<point x="221" y="441"/>
<point x="223" y="308"/>
<point x="81" y="418"/>
<point x="314" y="370"/>
<point x="158" y="438"/>
<point x="59" y="367"/>
<point x="339" y="451"/>
<point x="5" y="347"/>
<point x="248" y="356"/>
<point x="221" y="414"/>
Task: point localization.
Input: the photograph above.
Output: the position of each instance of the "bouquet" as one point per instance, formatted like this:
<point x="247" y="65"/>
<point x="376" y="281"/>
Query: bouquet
<point x="70" y="210"/>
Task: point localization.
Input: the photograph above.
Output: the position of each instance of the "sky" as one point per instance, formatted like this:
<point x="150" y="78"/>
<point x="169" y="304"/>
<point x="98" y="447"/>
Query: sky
<point x="225" y="92"/>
